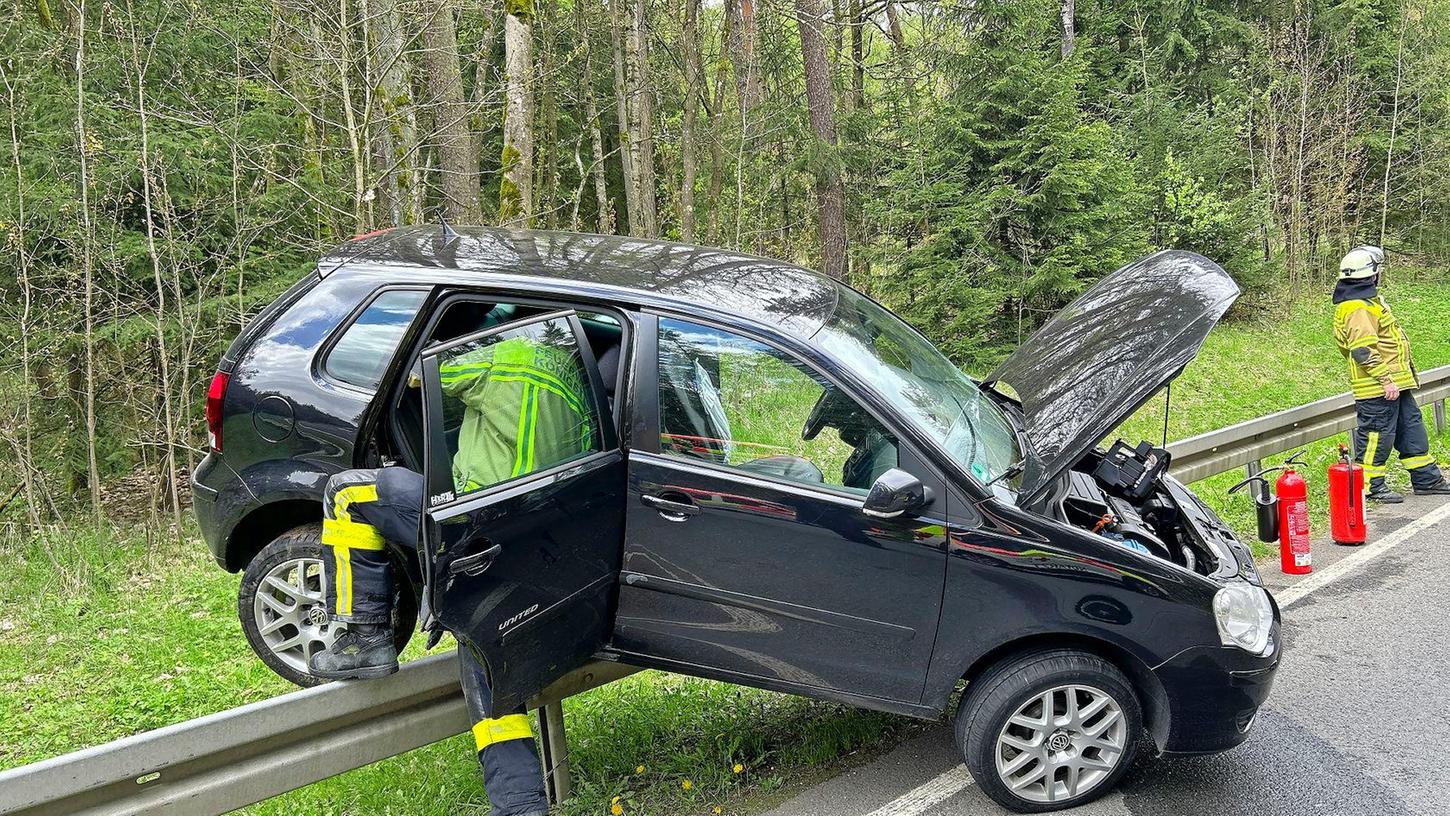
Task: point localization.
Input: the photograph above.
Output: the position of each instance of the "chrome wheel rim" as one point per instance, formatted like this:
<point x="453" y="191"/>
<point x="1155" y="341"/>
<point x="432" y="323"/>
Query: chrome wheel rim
<point x="1061" y="744"/>
<point x="290" y="612"/>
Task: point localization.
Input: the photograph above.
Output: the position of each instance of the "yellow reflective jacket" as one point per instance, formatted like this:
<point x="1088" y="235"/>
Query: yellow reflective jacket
<point x="526" y="407"/>
<point x="1375" y="347"/>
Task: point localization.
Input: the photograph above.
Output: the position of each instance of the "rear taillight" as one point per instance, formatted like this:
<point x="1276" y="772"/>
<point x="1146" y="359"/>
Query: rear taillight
<point x="214" y="396"/>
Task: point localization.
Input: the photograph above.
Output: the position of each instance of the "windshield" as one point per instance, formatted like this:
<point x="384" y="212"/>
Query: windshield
<point x="922" y="384"/>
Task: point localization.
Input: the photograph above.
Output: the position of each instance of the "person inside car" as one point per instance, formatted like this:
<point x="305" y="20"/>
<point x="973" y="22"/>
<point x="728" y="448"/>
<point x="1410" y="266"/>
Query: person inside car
<point x="523" y="408"/>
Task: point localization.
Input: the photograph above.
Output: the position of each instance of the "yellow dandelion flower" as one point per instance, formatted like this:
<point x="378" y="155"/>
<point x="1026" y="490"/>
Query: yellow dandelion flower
<point x="738" y="768"/>
<point x="719" y="809"/>
<point x="687" y="784"/>
<point x="614" y="801"/>
<point x="617" y="809"/>
<point x="639" y="769"/>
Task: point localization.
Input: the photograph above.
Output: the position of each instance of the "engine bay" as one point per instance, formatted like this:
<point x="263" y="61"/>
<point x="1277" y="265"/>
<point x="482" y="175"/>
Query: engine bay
<point x="1121" y="496"/>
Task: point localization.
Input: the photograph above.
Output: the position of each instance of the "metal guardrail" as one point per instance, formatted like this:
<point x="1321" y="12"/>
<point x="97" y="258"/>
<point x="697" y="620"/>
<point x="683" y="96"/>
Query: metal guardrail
<point x="223" y="761"/>
<point x="1247" y="443"/>
<point x="227" y="760"/>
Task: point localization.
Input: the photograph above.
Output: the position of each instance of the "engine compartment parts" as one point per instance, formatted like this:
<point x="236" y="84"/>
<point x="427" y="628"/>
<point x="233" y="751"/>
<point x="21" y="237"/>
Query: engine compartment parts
<point x="1132" y="473"/>
<point x="1089" y="506"/>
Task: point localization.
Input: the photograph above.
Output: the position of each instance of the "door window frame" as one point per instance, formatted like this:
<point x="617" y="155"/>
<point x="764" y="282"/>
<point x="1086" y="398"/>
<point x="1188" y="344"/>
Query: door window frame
<point x="436" y="477"/>
<point x="395" y="381"/>
<point x="647" y="413"/>
<point x="329" y="344"/>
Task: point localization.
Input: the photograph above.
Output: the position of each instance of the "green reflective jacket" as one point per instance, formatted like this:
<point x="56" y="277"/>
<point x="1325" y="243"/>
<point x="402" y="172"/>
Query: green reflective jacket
<point x="526" y="407"/>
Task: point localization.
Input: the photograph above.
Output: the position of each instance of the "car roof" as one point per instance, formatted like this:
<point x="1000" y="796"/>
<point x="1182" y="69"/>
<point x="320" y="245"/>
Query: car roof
<point x="647" y="272"/>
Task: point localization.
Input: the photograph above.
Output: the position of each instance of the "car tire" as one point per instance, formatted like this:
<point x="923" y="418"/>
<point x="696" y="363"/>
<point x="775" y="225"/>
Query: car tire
<point x="283" y="612"/>
<point x="1031" y="763"/>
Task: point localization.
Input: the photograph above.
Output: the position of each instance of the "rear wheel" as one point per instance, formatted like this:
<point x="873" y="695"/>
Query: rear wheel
<point x="282" y="605"/>
<point x="1049" y="730"/>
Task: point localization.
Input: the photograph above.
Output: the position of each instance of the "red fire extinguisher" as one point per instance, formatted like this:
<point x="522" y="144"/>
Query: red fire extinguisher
<point x="1293" y="522"/>
<point x="1283" y="514"/>
<point x="1346" y="500"/>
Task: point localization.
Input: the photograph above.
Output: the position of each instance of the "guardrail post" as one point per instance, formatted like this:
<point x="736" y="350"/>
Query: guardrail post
<point x="1253" y="469"/>
<point x="1439" y="416"/>
<point x="554" y="750"/>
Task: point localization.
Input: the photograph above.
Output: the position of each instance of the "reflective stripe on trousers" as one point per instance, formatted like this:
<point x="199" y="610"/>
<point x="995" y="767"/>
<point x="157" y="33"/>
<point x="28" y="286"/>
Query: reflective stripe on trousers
<point x="512" y="775"/>
<point x="1386" y="426"/>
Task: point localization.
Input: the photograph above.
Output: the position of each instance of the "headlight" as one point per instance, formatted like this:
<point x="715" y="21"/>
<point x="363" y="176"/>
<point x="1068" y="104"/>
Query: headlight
<point x="1244" y="615"/>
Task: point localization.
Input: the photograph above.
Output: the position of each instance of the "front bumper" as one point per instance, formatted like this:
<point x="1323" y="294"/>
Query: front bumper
<point x="1214" y="694"/>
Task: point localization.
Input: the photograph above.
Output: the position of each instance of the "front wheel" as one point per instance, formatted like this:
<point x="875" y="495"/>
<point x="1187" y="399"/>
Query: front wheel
<point x="283" y="609"/>
<point x="1049" y="730"/>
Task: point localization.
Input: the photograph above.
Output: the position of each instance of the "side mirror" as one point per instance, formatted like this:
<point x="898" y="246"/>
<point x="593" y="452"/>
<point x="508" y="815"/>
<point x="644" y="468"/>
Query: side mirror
<point x="895" y="494"/>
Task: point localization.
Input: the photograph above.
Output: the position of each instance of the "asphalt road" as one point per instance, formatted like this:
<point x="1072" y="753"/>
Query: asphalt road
<point x="1358" y="722"/>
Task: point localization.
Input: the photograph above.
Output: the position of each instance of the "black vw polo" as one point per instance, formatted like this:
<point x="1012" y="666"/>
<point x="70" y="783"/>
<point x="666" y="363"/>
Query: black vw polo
<point x="781" y="484"/>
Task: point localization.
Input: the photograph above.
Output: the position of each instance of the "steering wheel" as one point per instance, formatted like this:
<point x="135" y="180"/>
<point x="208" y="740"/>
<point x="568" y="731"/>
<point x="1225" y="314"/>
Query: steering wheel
<point x="827" y="405"/>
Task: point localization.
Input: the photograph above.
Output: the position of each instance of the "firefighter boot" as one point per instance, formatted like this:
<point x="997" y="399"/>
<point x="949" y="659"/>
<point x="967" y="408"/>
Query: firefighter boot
<point x="1442" y="488"/>
<point x="1381" y="493"/>
<point x="363" y="651"/>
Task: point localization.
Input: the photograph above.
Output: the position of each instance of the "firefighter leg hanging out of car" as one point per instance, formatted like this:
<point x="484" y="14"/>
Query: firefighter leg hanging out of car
<point x="1383" y="378"/>
<point x="365" y="509"/>
<point x="499" y="386"/>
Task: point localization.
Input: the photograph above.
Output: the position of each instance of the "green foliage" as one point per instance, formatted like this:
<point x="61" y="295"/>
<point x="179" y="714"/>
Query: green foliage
<point x="1027" y="198"/>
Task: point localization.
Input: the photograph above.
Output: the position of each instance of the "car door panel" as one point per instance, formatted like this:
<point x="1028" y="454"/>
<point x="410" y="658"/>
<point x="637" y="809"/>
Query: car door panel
<point x="780" y="582"/>
<point x="524" y="570"/>
<point x="542" y="605"/>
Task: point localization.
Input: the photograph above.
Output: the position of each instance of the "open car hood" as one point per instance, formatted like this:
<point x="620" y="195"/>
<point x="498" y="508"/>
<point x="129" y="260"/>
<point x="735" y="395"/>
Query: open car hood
<point x="1108" y="352"/>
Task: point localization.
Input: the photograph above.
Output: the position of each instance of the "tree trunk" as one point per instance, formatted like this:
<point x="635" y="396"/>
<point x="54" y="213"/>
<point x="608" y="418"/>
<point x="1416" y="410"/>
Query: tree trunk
<point x="88" y="239"/>
<point x="717" y="151"/>
<point x="744" y="48"/>
<point x="689" y="47"/>
<point x="26" y="445"/>
<point x="546" y="196"/>
<point x="641" y="119"/>
<point x="1394" y="124"/>
<point x="858" y="57"/>
<point x="457" y="156"/>
<point x="515" y="195"/>
<point x="1068" y="17"/>
<point x="830" y="195"/>
<point x="394" y="125"/>
<point x="621" y="108"/>
<point x="356" y="137"/>
<point x="163" y="361"/>
<point x="605" y="211"/>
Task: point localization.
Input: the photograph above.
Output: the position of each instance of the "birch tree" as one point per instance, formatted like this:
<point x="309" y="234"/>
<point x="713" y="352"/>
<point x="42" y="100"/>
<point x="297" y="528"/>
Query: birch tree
<point x="515" y="204"/>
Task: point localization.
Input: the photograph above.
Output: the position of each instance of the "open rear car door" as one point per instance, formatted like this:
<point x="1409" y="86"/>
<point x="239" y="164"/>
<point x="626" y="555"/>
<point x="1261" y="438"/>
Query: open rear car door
<point x="525" y="511"/>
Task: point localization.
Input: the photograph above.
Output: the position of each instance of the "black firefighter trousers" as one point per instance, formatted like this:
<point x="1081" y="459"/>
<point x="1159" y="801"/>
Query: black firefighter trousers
<point x="1394" y="425"/>
<point x="363" y="509"/>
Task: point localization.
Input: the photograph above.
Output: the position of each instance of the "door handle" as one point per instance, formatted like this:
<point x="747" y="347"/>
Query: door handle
<point x="475" y="564"/>
<point x="671" y="510"/>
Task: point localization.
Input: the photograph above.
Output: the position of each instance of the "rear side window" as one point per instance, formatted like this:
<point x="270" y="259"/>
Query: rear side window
<point x="362" y="353"/>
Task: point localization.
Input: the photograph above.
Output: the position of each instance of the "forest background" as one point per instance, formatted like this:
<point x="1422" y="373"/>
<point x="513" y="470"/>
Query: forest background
<point x="169" y="167"/>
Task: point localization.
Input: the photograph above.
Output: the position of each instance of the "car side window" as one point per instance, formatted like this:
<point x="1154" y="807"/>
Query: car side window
<point x="362" y="353"/>
<point x="516" y="402"/>
<point x="732" y="401"/>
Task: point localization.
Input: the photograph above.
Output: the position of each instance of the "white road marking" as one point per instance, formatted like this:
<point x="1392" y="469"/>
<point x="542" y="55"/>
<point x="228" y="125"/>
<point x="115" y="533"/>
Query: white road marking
<point x="1361" y="557"/>
<point x="920" y="799"/>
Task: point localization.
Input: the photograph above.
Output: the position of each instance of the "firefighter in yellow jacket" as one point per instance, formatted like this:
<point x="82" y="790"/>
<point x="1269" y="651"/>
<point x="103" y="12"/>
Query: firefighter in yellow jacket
<point x="1383" y="379"/>
<point x="524" y="408"/>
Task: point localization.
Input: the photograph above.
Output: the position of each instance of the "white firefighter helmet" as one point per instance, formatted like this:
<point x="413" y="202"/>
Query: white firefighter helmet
<point x="1361" y="262"/>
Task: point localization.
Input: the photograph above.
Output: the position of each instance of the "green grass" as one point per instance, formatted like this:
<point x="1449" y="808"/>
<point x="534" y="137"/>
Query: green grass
<point x="104" y="633"/>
